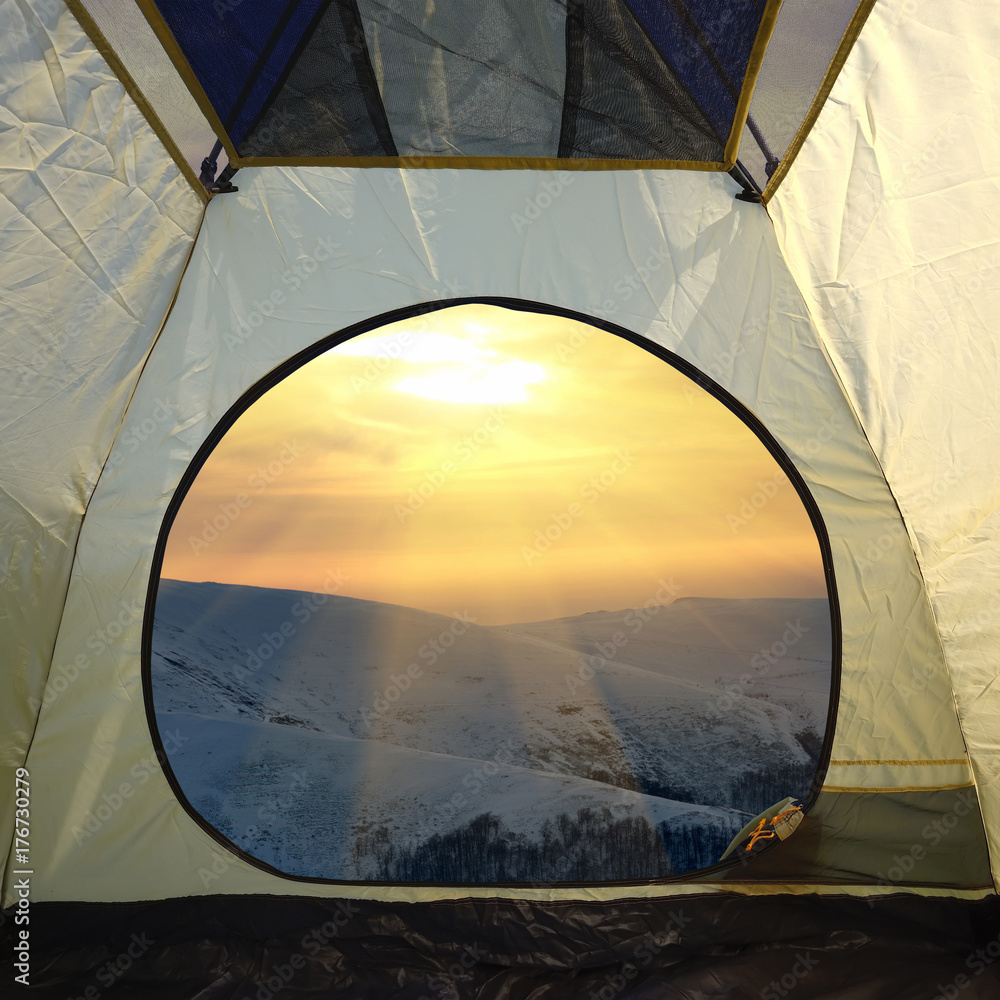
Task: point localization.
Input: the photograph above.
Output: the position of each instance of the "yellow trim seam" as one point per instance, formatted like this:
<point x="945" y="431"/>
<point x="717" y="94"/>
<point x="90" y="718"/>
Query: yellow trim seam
<point x="428" y="894"/>
<point x="898" y="763"/>
<point x="832" y="72"/>
<point x="117" y="67"/>
<point x="474" y="163"/>
<point x="754" y="63"/>
<point x="900" y="788"/>
<point x="183" y="67"/>
<point x="834" y="889"/>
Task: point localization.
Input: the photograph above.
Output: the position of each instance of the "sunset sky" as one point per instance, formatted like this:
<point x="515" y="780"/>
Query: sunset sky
<point x="512" y="466"/>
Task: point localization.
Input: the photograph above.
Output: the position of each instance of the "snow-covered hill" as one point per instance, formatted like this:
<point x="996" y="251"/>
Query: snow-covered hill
<point x="344" y="738"/>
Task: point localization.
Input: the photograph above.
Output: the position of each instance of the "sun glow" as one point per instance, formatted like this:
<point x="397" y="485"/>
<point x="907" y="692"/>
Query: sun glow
<point x="417" y="347"/>
<point x="481" y="383"/>
<point x="450" y="369"/>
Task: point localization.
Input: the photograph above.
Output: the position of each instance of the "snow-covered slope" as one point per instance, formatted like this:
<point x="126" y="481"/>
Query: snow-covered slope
<point x="343" y="738"/>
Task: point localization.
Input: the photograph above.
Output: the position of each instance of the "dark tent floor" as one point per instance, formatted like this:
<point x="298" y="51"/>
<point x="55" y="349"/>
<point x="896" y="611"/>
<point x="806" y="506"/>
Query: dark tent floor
<point x="229" y="948"/>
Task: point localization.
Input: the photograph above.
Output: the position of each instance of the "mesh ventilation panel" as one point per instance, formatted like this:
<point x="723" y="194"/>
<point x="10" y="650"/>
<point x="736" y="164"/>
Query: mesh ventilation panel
<point x="804" y="42"/>
<point x="622" y="100"/>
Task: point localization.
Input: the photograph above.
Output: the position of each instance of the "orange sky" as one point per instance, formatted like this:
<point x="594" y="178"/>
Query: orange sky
<point x="514" y="466"/>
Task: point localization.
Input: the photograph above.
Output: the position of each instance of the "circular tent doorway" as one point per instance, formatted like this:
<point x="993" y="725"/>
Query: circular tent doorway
<point x="489" y="595"/>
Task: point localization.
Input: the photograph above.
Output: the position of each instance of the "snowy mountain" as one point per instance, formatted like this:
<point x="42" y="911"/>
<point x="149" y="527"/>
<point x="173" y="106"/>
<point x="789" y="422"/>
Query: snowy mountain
<point x="342" y="738"/>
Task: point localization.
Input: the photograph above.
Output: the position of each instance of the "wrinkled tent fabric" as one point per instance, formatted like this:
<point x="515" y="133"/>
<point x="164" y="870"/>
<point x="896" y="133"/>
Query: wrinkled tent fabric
<point x="856" y="323"/>
<point x="97" y="223"/>
<point x="900" y="272"/>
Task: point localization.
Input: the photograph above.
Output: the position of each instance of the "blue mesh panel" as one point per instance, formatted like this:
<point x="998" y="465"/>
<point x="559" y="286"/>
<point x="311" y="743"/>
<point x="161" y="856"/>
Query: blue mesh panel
<point x="229" y="46"/>
<point x="259" y="58"/>
<point x="707" y="44"/>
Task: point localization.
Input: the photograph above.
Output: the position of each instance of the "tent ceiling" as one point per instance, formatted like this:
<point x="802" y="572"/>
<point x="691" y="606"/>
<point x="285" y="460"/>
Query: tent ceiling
<point x="609" y="82"/>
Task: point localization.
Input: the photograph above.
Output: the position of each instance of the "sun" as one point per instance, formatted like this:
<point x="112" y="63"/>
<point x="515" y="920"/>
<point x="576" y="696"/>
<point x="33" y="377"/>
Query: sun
<point x="451" y="369"/>
<point x="480" y="382"/>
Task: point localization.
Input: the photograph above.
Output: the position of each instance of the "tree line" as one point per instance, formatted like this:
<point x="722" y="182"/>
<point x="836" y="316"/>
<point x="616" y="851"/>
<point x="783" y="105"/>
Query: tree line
<point x="592" y="846"/>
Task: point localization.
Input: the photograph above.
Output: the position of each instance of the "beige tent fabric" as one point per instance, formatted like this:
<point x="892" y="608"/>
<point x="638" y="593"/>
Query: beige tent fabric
<point x="890" y="219"/>
<point x="668" y="255"/>
<point x="95" y="224"/>
<point x="878" y="243"/>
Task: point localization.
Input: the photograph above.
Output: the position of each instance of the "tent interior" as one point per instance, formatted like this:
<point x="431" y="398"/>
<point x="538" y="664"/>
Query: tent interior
<point x="498" y="499"/>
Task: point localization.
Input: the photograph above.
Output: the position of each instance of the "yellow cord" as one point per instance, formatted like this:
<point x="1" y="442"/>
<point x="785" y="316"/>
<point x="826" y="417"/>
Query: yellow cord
<point x="761" y="833"/>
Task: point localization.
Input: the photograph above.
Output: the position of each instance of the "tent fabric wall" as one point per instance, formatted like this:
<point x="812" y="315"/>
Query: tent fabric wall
<point x="860" y="312"/>
<point x="890" y="220"/>
<point x="299" y="253"/>
<point x="95" y="224"/>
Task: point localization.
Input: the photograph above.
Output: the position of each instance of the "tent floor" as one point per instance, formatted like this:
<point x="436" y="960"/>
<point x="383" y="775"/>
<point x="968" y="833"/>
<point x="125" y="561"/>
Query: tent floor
<point x="698" y="947"/>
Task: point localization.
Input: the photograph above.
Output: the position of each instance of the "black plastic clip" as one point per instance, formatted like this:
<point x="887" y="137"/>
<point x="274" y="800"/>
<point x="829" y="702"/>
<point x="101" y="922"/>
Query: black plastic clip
<point x="750" y="191"/>
<point x="224" y="184"/>
<point x="209" y="165"/>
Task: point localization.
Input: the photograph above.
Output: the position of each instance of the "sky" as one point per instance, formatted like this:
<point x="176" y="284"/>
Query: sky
<point x="499" y="465"/>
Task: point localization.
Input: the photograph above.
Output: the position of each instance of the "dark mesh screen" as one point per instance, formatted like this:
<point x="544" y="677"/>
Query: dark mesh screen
<point x="621" y="98"/>
<point x="483" y="79"/>
<point x="238" y="49"/>
<point x="327" y="103"/>
<point x="608" y="79"/>
<point x="708" y="43"/>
